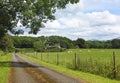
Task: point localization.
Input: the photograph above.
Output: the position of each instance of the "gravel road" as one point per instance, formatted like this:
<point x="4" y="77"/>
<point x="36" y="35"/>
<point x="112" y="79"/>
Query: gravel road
<point x="25" y="71"/>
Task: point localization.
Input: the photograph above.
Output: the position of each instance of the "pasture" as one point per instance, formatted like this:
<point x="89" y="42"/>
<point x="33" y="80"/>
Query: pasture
<point x="96" y="61"/>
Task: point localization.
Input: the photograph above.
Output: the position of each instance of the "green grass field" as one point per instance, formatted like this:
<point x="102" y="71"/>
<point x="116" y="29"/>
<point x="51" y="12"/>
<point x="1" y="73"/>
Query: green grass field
<point x="4" y="67"/>
<point x="95" y="61"/>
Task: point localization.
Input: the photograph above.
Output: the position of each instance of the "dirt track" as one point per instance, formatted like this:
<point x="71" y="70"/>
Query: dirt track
<point x="25" y="71"/>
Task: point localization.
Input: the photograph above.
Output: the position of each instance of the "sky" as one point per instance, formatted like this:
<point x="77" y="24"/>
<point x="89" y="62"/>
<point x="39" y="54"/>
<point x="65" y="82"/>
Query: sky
<point x="88" y="19"/>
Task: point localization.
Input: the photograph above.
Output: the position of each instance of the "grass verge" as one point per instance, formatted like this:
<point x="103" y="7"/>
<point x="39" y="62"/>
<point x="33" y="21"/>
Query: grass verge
<point x="90" y="78"/>
<point x="5" y="68"/>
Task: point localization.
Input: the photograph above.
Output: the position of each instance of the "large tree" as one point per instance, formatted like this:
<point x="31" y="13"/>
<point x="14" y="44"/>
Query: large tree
<point x="30" y="13"/>
<point x="115" y="43"/>
<point x="81" y="43"/>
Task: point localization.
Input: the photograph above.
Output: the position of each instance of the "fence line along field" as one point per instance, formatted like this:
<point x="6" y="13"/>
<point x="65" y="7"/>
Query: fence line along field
<point x="103" y="62"/>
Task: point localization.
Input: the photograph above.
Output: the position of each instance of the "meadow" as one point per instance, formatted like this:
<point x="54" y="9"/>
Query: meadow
<point x="96" y="61"/>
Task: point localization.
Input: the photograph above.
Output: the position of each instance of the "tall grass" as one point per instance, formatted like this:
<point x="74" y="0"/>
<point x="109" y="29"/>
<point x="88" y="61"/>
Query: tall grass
<point x="4" y="67"/>
<point x="95" y="61"/>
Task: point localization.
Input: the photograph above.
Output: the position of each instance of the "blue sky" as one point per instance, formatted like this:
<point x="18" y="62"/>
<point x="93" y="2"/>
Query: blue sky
<point x="89" y="19"/>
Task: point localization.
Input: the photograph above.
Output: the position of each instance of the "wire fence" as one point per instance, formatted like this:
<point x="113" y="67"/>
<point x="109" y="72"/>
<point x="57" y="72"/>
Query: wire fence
<point x="109" y="67"/>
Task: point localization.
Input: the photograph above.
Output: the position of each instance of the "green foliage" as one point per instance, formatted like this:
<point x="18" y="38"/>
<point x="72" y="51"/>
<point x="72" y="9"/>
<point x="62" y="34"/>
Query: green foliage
<point x="2" y="31"/>
<point x="98" y="44"/>
<point x="39" y="46"/>
<point x="6" y="43"/>
<point x="1" y="53"/>
<point x="27" y="42"/>
<point x="31" y="13"/>
<point x="80" y="43"/>
<point x="23" y="42"/>
<point x="115" y="43"/>
<point x="63" y="41"/>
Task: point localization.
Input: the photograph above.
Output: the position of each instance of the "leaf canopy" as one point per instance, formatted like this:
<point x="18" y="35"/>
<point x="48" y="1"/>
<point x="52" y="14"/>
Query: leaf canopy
<point x="30" y="13"/>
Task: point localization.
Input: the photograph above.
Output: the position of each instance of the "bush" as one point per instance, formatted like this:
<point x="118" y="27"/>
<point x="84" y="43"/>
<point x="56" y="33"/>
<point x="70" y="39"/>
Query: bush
<point x="6" y="43"/>
<point x="39" y="46"/>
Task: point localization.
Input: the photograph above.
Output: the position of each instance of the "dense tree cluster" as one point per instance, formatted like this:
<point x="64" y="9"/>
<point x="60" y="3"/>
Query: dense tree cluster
<point x="23" y="42"/>
<point x="80" y="43"/>
<point x="115" y="43"/>
<point x="54" y="43"/>
<point x="98" y="44"/>
<point x="6" y="43"/>
<point x="39" y="46"/>
<point x="42" y="43"/>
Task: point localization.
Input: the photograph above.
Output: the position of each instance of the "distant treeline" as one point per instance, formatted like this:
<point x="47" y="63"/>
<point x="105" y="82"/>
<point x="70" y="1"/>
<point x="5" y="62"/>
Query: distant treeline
<point x="63" y="42"/>
<point x="42" y="43"/>
<point x="54" y="43"/>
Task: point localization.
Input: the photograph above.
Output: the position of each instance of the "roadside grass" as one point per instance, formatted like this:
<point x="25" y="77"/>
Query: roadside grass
<point x="85" y="77"/>
<point x="4" y="68"/>
<point x="25" y="49"/>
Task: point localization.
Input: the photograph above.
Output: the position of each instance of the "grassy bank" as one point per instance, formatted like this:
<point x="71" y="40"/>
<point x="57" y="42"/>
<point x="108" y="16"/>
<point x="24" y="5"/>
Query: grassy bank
<point x="90" y="78"/>
<point x="4" y="68"/>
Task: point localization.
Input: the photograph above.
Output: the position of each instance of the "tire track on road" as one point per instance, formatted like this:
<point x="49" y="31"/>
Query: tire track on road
<point x="25" y="71"/>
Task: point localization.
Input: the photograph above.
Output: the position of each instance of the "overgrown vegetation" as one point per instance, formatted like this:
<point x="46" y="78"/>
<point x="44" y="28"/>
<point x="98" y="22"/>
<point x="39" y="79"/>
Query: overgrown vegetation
<point x="4" y="67"/>
<point x="6" y="43"/>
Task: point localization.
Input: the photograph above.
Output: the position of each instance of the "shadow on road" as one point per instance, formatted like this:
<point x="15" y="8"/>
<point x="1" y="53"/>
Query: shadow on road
<point x="16" y="64"/>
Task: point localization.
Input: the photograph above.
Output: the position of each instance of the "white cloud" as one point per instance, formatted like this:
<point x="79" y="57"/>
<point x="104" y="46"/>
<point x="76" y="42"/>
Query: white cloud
<point x="53" y="24"/>
<point x="89" y="19"/>
<point x="102" y="18"/>
<point x="95" y="25"/>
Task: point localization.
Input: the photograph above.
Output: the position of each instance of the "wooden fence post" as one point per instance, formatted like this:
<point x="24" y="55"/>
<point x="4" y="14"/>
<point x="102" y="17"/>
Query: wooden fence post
<point x="35" y="54"/>
<point x="114" y="64"/>
<point x="75" y="61"/>
<point x="48" y="58"/>
<point x="57" y="59"/>
<point x="41" y="56"/>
